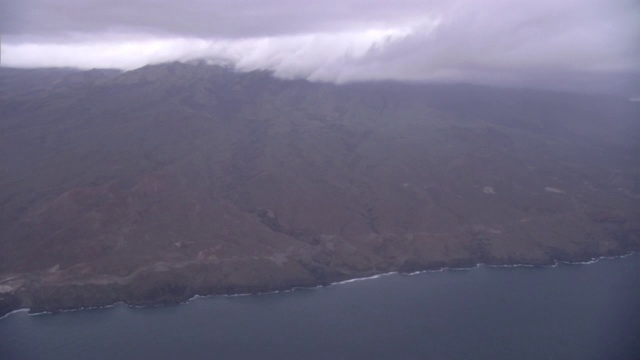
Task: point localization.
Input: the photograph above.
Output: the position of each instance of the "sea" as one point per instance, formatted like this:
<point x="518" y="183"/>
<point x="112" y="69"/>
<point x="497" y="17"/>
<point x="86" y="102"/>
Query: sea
<point x="568" y="311"/>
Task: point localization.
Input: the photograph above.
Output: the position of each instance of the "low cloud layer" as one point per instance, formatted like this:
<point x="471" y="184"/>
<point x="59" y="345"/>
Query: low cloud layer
<point x="549" y="43"/>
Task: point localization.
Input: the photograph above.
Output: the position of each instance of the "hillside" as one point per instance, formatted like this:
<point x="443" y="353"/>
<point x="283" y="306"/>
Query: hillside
<point x="157" y="184"/>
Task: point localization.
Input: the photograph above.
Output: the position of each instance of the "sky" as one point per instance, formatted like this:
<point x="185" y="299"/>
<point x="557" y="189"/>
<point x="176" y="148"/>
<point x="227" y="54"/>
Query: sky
<point x="581" y="44"/>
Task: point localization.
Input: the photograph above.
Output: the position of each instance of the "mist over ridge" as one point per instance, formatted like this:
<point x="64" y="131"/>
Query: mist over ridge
<point x="570" y="45"/>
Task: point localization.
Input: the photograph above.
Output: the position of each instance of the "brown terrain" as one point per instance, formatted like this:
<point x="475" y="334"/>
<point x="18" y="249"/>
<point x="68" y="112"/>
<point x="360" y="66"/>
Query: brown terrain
<point x="158" y="184"/>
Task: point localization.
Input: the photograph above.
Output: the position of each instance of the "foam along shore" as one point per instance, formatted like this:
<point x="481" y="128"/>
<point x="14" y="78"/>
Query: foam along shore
<point x="343" y="282"/>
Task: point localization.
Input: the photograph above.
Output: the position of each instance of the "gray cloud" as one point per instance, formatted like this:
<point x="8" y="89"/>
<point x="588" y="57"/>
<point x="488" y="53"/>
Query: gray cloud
<point x="548" y="43"/>
<point x="203" y="18"/>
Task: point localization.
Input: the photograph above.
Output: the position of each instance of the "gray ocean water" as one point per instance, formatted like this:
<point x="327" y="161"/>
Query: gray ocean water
<point x="564" y="312"/>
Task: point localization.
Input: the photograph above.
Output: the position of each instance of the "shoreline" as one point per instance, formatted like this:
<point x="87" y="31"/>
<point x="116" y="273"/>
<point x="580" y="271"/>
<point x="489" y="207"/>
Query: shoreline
<point x="555" y="263"/>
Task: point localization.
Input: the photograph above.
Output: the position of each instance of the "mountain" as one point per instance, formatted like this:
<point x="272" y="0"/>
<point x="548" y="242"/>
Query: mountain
<point x="172" y="180"/>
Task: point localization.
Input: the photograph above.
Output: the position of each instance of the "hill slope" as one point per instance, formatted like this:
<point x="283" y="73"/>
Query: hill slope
<point x="180" y="179"/>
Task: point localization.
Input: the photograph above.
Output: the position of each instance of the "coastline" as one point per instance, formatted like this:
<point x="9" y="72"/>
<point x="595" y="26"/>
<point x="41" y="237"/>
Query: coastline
<point x="554" y="263"/>
<point x="278" y="185"/>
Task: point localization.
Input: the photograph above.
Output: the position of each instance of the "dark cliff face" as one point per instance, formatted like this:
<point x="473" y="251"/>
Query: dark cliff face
<point x="170" y="172"/>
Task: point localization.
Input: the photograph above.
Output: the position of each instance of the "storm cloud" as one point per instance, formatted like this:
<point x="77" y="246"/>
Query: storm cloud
<point x="566" y="44"/>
